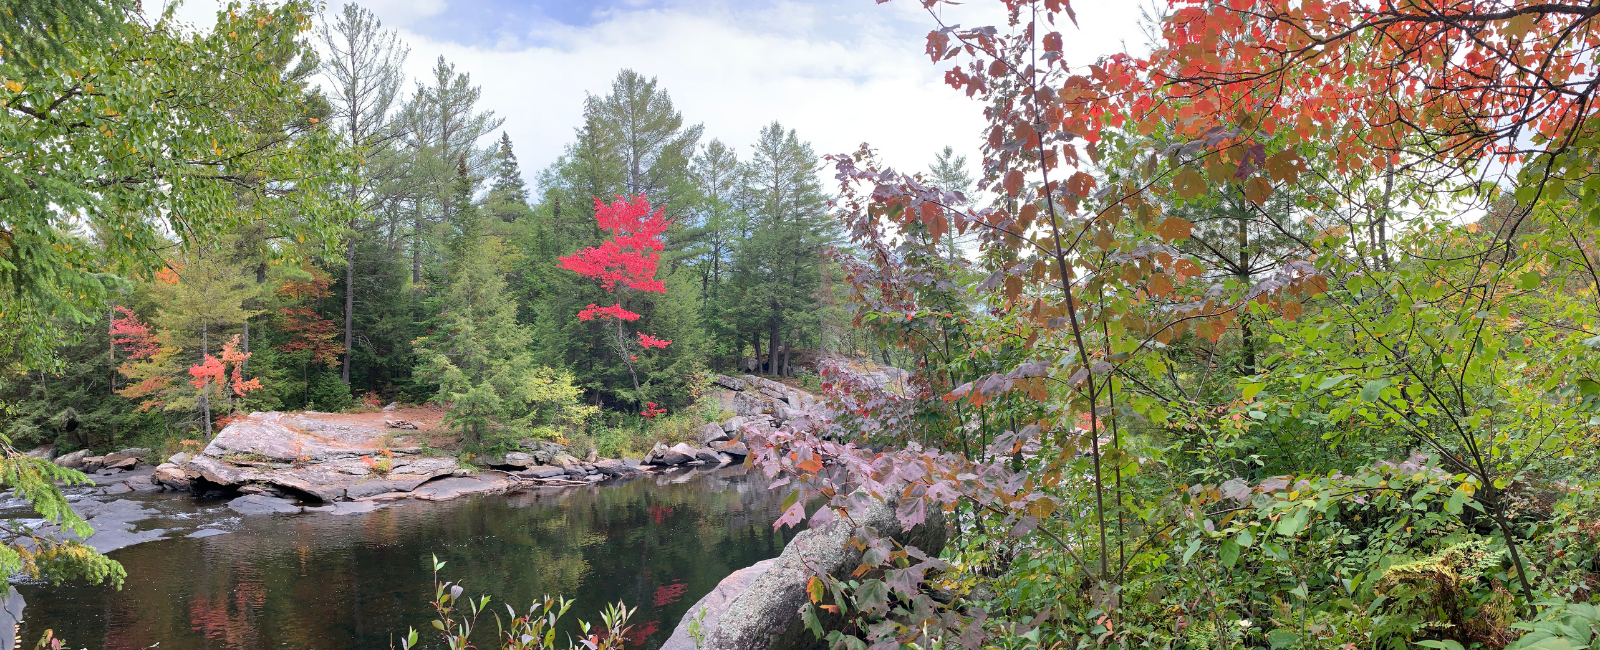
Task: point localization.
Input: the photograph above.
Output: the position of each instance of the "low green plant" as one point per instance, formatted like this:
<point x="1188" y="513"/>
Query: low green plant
<point x="533" y="629"/>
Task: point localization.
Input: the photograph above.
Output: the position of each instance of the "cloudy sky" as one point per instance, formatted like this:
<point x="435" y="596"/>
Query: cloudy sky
<point x="840" y="72"/>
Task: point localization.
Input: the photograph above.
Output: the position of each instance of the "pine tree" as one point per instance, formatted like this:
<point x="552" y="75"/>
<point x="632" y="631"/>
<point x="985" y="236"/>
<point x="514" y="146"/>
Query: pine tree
<point x="443" y="127"/>
<point x="364" y="68"/>
<point x="720" y="223"/>
<point x="781" y="264"/>
<point x="650" y="139"/>
<point x="949" y="173"/>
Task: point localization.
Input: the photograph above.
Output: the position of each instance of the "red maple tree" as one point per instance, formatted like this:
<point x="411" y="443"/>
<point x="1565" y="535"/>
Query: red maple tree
<point x="629" y="259"/>
<point x="135" y="338"/>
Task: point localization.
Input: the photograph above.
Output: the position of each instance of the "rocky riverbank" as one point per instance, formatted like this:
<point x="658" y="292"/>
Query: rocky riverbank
<point x="282" y="462"/>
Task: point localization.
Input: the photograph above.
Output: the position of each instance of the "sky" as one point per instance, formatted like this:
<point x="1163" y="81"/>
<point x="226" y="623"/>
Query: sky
<point x="839" y="72"/>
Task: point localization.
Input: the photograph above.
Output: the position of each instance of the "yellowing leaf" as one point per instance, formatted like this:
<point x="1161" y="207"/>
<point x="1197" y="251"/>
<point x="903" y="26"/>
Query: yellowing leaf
<point x="13" y="86"/>
<point x="814" y="589"/>
<point x="1160" y="285"/>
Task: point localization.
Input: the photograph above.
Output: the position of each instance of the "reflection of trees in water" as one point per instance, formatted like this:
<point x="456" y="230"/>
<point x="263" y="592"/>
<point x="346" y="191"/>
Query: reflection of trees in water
<point x="229" y="615"/>
<point x="351" y="582"/>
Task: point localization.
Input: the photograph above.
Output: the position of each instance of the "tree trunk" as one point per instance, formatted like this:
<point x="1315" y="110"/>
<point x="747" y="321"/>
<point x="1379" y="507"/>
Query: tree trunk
<point x="244" y="364"/>
<point x="1242" y="239"/>
<point x="111" y="346"/>
<point x="786" y="357"/>
<point x="205" y="397"/>
<point x="774" y="338"/>
<point x="349" y="304"/>
<point x="416" y="245"/>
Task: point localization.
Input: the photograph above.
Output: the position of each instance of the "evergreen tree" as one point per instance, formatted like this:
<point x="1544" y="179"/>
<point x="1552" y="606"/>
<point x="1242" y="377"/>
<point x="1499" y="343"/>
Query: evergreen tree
<point x="649" y="138"/>
<point x="443" y="128"/>
<point x="364" y="68"/>
<point x="949" y="173"/>
<point x="720" y="224"/>
<point x="780" y="266"/>
<point x="508" y="195"/>
<point x="476" y="351"/>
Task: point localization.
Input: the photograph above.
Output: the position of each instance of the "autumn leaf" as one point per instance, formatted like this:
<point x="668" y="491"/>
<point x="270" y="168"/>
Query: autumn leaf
<point x="1013" y="182"/>
<point x="1174" y="228"/>
<point x="1081" y="184"/>
<point x="1189" y="184"/>
<point x="1160" y="285"/>
<point x="1257" y="190"/>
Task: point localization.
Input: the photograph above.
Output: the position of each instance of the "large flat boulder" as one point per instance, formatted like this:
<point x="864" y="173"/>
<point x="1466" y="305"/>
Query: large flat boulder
<point x="298" y="437"/>
<point x="260" y="504"/>
<point x="326" y="457"/>
<point x="456" y="487"/>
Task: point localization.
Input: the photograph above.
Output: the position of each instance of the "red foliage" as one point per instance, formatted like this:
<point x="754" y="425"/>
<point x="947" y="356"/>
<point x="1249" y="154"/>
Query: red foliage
<point x="213" y="369"/>
<point x="630" y="257"/>
<point x="615" y="311"/>
<point x="669" y="594"/>
<point x="312" y="333"/>
<point x="316" y="287"/>
<point x="638" y="634"/>
<point x="651" y="410"/>
<point x="659" y="513"/>
<point x="136" y="339"/>
<point x="632" y="254"/>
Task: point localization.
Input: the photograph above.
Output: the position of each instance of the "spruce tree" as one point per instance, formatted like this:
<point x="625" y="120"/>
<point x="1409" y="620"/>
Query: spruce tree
<point x="508" y="196"/>
<point x="475" y="350"/>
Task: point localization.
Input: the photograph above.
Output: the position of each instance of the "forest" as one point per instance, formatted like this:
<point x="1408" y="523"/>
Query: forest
<point x="420" y="266"/>
<point x="1280" y="335"/>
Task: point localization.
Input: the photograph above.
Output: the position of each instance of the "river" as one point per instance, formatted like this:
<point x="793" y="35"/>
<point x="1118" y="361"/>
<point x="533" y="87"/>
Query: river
<point x="216" y="580"/>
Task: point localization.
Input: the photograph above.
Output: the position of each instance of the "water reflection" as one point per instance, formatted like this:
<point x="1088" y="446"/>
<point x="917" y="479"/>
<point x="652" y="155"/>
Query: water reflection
<point x="320" y="581"/>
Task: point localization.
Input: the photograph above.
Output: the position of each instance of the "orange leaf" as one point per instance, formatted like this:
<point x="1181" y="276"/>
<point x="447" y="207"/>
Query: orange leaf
<point x="811" y="465"/>
<point x="1174" y="228"/>
<point x="1013" y="182"/>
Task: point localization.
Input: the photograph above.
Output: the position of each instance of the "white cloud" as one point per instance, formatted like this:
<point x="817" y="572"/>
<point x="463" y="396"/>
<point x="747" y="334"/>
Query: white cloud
<point x="840" y="73"/>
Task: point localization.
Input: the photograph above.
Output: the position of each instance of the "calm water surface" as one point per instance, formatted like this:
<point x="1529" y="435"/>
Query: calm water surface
<point x="359" y="582"/>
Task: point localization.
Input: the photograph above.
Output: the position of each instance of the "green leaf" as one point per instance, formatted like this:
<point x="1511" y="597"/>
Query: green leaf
<point x="1228" y="553"/>
<point x="1281" y="638"/>
<point x="1249" y="391"/>
<point x="1291" y="523"/>
<point x="1441" y="645"/>
<point x="1331" y="382"/>
<point x="1194" y="546"/>
<point x="1528" y="281"/>
<point x="1373" y="389"/>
